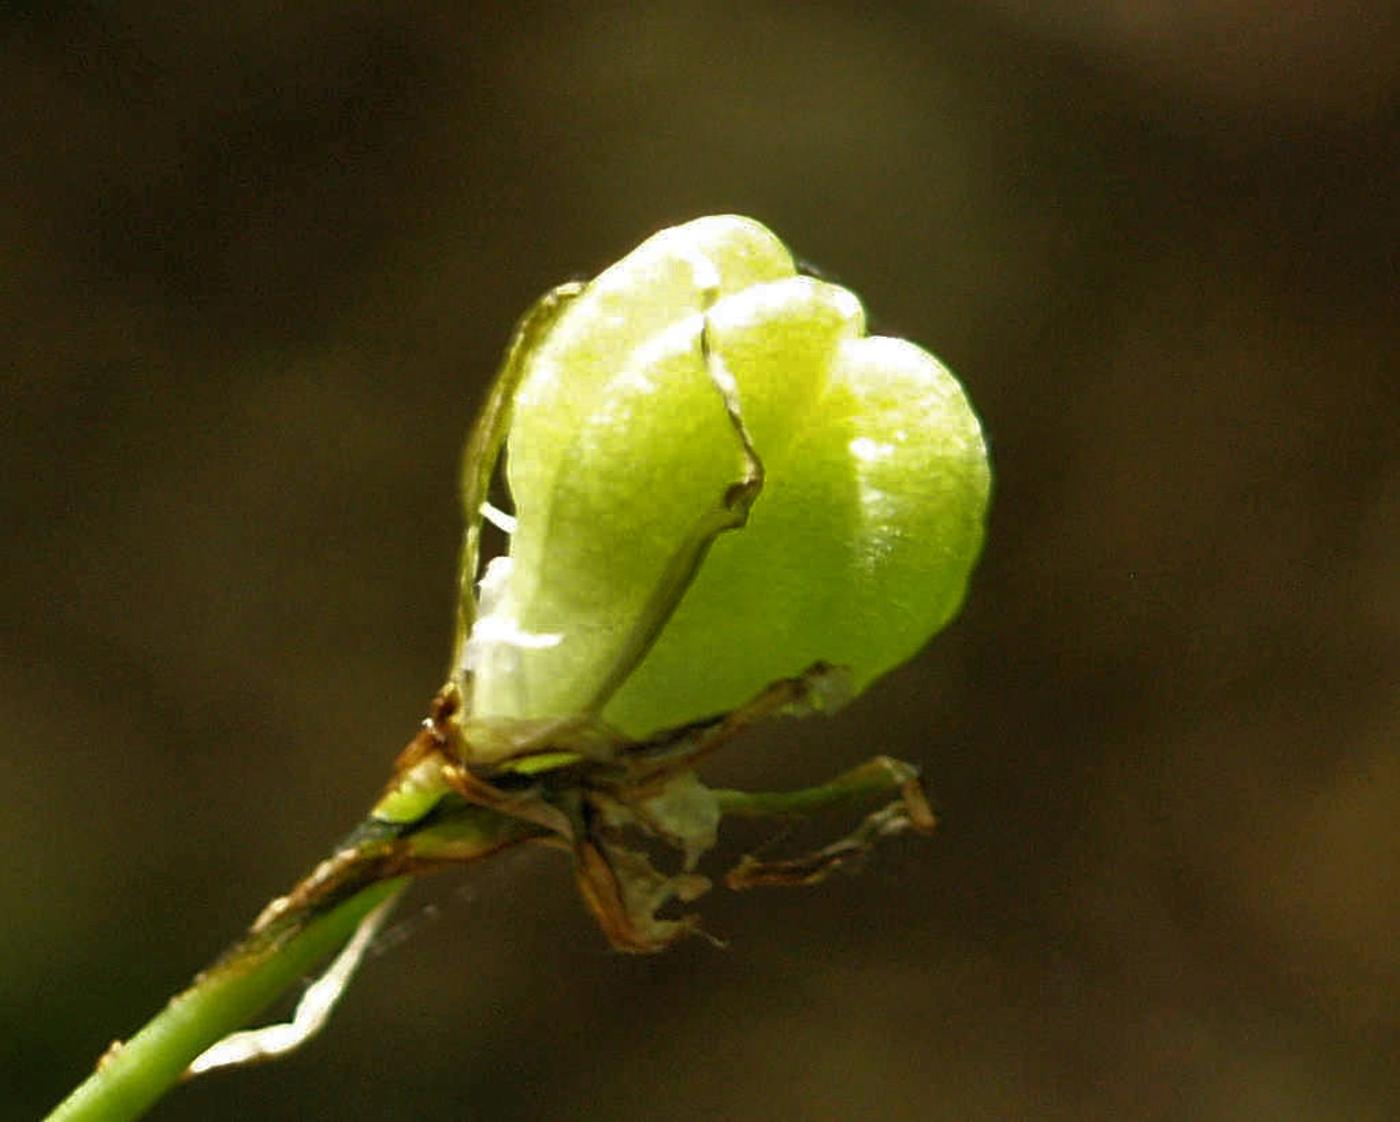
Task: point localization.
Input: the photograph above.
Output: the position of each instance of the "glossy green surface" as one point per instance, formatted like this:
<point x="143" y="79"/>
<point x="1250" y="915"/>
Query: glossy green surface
<point x="857" y="549"/>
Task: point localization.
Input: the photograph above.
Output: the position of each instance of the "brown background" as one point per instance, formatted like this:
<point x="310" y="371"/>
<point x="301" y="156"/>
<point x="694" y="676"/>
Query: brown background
<point x="254" y="267"/>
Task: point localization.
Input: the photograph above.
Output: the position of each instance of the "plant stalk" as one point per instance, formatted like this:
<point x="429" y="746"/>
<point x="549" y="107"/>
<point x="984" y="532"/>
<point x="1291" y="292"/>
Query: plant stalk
<point x="291" y="939"/>
<point x="134" y="1075"/>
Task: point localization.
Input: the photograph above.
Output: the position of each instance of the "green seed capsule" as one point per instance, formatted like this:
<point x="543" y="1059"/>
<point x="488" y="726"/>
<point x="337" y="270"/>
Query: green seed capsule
<point x="719" y="480"/>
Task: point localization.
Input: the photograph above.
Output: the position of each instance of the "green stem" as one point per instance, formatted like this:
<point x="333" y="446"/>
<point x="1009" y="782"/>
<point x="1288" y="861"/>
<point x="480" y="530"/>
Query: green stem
<point x="290" y="940"/>
<point x="223" y="999"/>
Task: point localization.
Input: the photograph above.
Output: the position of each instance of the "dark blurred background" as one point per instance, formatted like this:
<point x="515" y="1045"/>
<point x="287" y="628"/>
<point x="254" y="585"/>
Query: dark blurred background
<point x="255" y="265"/>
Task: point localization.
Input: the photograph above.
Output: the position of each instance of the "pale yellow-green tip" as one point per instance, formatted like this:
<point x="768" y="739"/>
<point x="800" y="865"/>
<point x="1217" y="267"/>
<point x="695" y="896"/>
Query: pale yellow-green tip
<point x="857" y="549"/>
